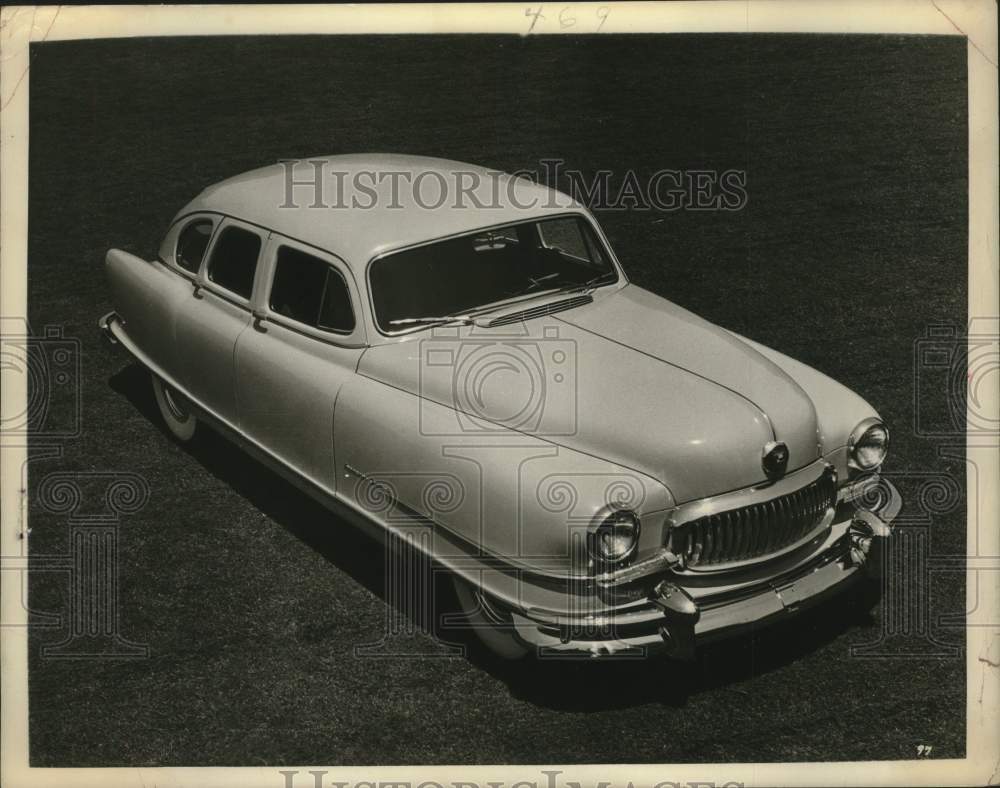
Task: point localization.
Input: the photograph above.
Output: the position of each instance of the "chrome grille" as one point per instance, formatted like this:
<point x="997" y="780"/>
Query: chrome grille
<point x="756" y="530"/>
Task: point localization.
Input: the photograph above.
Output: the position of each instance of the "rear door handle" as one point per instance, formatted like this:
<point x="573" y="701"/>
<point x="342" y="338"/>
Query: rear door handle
<point x="197" y="290"/>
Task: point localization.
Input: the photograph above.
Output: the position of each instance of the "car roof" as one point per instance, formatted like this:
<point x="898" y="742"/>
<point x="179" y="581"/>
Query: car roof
<point x="398" y="198"/>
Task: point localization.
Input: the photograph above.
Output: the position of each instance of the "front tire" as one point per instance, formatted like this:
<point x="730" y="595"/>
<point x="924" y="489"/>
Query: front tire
<point x="175" y="410"/>
<point x="492" y="628"/>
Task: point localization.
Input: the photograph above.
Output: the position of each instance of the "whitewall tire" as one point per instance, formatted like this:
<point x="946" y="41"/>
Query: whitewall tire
<point x="176" y="411"/>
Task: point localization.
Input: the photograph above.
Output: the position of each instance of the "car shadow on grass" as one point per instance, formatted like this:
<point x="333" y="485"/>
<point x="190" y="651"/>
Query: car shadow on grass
<point x="571" y="684"/>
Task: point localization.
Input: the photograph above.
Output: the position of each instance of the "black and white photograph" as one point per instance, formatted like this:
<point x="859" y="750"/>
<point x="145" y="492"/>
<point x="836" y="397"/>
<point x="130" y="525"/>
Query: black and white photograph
<point x="513" y="395"/>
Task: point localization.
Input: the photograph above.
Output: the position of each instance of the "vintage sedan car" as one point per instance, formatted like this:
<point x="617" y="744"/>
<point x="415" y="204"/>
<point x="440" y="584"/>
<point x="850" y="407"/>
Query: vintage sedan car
<point x="599" y="470"/>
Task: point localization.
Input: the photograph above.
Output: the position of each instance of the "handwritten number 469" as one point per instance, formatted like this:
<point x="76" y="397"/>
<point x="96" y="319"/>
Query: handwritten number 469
<point x="565" y="17"/>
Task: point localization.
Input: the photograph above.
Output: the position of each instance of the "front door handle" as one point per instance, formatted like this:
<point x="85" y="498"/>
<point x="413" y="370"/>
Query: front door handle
<point x="197" y="290"/>
<point x="258" y="321"/>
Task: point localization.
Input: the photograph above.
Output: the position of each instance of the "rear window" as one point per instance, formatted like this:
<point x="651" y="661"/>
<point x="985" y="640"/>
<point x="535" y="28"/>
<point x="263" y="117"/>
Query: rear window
<point x="234" y="260"/>
<point x="311" y="291"/>
<point x="191" y="244"/>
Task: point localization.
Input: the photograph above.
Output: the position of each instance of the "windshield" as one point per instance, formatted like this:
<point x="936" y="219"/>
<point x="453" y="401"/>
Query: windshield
<point x="463" y="274"/>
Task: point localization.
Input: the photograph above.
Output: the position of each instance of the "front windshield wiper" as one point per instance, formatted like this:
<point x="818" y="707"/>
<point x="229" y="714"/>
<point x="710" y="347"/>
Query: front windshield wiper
<point x="534" y="283"/>
<point x="469" y="318"/>
<point x="462" y="320"/>
<point x="589" y="285"/>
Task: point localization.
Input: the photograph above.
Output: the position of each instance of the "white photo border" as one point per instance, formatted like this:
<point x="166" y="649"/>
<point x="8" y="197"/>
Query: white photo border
<point x="976" y="20"/>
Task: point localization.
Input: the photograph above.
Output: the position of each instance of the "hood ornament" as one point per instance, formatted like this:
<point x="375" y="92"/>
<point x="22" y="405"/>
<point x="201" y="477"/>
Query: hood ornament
<point x="774" y="460"/>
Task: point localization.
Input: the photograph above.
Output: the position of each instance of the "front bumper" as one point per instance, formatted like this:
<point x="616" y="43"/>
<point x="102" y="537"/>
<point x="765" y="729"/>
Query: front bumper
<point x="676" y="618"/>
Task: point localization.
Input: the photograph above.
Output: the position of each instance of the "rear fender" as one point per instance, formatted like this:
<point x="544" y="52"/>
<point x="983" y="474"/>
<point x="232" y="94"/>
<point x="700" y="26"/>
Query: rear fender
<point x="146" y="295"/>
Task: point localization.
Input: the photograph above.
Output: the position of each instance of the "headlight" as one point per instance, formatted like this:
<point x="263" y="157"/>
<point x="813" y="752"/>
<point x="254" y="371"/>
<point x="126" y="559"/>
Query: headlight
<point x="616" y="538"/>
<point x="868" y="445"/>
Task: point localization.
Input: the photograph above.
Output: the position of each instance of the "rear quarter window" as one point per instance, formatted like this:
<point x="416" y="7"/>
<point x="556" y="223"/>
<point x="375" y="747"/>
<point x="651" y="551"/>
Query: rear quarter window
<point x="192" y="243"/>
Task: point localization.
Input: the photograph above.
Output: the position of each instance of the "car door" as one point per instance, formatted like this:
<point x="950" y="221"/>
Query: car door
<point x="216" y="313"/>
<point x="304" y="344"/>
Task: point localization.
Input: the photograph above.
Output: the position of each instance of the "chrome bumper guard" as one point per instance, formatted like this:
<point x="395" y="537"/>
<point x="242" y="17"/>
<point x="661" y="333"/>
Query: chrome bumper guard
<point x="674" y="621"/>
<point x="105" y="325"/>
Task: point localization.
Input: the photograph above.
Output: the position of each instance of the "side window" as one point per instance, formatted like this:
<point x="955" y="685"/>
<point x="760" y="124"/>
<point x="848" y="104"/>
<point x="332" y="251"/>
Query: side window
<point x="234" y="260"/>
<point x="191" y="244"/>
<point x="311" y="291"/>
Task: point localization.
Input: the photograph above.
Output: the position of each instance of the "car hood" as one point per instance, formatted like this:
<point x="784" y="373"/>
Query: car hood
<point x="630" y="378"/>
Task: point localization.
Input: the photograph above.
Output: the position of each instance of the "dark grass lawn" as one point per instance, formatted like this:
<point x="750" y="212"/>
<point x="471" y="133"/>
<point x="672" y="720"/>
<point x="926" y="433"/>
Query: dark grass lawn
<point x="252" y="599"/>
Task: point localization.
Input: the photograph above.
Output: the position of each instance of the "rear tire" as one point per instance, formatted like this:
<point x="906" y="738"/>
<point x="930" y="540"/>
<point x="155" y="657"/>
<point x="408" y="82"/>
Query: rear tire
<point x="493" y="629"/>
<point x="175" y="410"/>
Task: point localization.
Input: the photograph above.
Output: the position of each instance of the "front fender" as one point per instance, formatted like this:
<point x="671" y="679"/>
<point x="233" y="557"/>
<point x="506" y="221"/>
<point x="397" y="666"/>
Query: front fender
<point x="838" y="409"/>
<point x="514" y="497"/>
